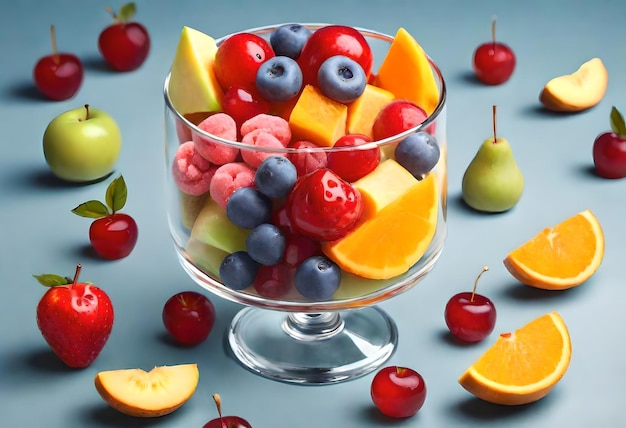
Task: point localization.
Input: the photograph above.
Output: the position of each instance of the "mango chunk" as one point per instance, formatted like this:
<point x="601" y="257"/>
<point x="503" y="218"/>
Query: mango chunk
<point x="363" y="111"/>
<point x="193" y="87"/>
<point x="406" y="72"/>
<point x="317" y="118"/>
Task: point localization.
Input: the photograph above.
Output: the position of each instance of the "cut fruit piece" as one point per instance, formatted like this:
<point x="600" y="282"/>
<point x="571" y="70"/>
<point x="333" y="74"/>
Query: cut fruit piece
<point x="206" y="257"/>
<point x="522" y="367"/>
<point x="363" y="111"/>
<point x="560" y="257"/>
<point x="317" y="118"/>
<point x="578" y="91"/>
<point x="396" y="227"/>
<point x="193" y="87"/>
<point x="214" y="228"/>
<point x="406" y="73"/>
<point x="158" y="392"/>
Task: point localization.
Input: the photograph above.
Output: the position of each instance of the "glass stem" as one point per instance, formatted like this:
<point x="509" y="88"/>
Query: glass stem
<point x="312" y="326"/>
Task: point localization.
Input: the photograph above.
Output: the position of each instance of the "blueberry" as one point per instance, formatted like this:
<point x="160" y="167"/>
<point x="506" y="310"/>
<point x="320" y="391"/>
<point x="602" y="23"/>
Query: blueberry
<point x="238" y="270"/>
<point x="288" y="39"/>
<point x="418" y="153"/>
<point x="248" y="208"/>
<point x="317" y="278"/>
<point x="266" y="244"/>
<point x="341" y="79"/>
<point x="279" y="79"/>
<point x="275" y="177"/>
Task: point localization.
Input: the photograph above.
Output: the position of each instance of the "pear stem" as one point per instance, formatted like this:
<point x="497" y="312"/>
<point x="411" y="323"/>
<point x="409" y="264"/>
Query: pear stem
<point x="493" y="119"/>
<point x="485" y="269"/>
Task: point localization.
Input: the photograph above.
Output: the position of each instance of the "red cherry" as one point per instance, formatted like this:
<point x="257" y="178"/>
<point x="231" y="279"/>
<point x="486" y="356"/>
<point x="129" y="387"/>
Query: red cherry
<point x="113" y="236"/>
<point x="353" y="164"/>
<point x="273" y="281"/>
<point x="493" y="62"/>
<point x="225" y="421"/>
<point x="189" y="317"/>
<point x="398" y="392"/>
<point x="334" y="40"/>
<point x="242" y="104"/>
<point x="396" y="117"/>
<point x="124" y="44"/>
<point x="298" y="248"/>
<point x="323" y="206"/>
<point x="58" y="76"/>
<point x="609" y="149"/>
<point x="238" y="58"/>
<point x="470" y="317"/>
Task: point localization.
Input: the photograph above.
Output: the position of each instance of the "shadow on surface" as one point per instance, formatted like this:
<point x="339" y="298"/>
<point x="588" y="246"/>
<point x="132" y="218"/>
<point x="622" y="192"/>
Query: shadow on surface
<point x="539" y="111"/>
<point x="44" y="361"/>
<point x="95" y="63"/>
<point x="480" y="410"/>
<point x="103" y="415"/>
<point x="25" y="90"/>
<point x="469" y="77"/>
<point x="524" y="293"/>
<point x="370" y="414"/>
<point x="458" y="202"/>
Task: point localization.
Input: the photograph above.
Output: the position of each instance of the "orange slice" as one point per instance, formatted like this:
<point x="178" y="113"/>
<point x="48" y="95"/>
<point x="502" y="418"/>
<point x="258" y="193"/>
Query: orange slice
<point x="398" y="228"/>
<point x="560" y="257"/>
<point x="522" y="367"/>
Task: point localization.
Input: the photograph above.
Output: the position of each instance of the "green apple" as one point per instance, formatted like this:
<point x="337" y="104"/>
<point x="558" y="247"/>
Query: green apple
<point x="82" y="144"/>
<point x="192" y="85"/>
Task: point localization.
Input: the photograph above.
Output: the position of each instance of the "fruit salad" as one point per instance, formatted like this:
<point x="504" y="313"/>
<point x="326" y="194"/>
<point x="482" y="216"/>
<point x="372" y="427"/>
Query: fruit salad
<point x="306" y="163"/>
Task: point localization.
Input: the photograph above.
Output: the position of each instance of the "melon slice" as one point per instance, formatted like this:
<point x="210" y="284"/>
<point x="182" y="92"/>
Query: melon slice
<point x="406" y="72"/>
<point x="213" y="228"/>
<point x="193" y="87"/>
<point x="158" y="392"/>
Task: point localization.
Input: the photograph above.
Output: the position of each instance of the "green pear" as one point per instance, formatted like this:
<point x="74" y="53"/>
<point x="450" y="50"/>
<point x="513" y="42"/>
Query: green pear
<point x="193" y="87"/>
<point x="493" y="182"/>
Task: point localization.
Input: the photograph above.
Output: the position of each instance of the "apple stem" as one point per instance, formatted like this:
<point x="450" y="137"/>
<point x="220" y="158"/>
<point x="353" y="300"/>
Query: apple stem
<point x="485" y="269"/>
<point x="493" y="31"/>
<point x="76" y="274"/>
<point x="53" y="41"/>
<point x="218" y="404"/>
<point x="86" y="113"/>
<point x="493" y="119"/>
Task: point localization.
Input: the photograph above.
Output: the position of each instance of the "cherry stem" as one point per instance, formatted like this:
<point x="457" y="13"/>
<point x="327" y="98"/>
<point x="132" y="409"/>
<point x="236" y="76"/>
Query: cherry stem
<point x="493" y="31"/>
<point x="76" y="274"/>
<point x="485" y="269"/>
<point x="493" y="119"/>
<point x="218" y="404"/>
<point x="53" y="41"/>
<point x="112" y="12"/>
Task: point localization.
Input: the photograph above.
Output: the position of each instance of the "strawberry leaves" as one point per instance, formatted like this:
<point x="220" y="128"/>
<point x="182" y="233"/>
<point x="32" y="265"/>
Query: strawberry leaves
<point x="617" y="123"/>
<point x="115" y="199"/>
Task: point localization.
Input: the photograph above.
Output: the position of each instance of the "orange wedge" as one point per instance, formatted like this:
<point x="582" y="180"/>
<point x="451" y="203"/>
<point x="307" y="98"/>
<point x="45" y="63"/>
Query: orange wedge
<point x="401" y="218"/>
<point x="560" y="257"/>
<point x="522" y="367"/>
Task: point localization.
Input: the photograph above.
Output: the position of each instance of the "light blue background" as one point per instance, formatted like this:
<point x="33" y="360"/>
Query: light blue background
<point x="39" y="234"/>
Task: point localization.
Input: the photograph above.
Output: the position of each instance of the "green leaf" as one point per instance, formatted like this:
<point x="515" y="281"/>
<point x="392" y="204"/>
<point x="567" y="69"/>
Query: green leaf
<point x="92" y="209"/>
<point x="52" y="280"/>
<point x="126" y="12"/>
<point x="617" y="123"/>
<point x="116" y="194"/>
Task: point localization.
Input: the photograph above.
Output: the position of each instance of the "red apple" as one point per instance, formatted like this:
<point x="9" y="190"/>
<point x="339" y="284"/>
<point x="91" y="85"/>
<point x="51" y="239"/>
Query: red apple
<point x="398" y="392"/>
<point x="75" y="318"/>
<point x="238" y="58"/>
<point x="58" y="76"/>
<point x="609" y="149"/>
<point x="334" y="40"/>
<point x="113" y="235"/>
<point x="125" y="44"/>
<point x="396" y="117"/>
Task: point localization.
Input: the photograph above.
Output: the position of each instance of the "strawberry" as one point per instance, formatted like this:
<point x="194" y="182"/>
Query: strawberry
<point x="74" y="318"/>
<point x="323" y="206"/>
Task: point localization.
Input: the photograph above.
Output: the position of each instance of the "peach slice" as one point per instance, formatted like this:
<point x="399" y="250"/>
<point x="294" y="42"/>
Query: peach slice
<point x="158" y="392"/>
<point x="578" y="91"/>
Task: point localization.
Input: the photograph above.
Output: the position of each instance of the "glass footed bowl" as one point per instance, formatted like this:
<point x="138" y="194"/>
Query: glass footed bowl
<point x="291" y="338"/>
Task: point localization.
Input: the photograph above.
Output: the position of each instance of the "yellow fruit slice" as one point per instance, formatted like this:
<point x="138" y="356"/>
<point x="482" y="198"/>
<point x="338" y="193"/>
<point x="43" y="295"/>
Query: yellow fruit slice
<point x="155" y="393"/>
<point x="523" y="366"/>
<point x="578" y="91"/>
<point x="405" y="72"/>
<point x="399" y="222"/>
<point x="362" y="112"/>
<point x="560" y="257"/>
<point x="193" y="87"/>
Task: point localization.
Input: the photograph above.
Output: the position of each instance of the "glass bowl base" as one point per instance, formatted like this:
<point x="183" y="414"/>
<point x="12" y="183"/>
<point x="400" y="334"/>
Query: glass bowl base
<point x="312" y="349"/>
